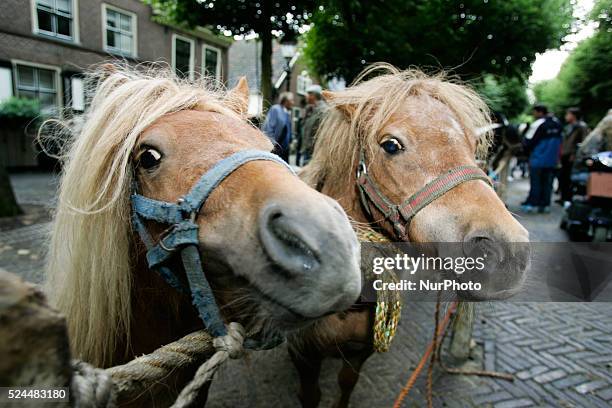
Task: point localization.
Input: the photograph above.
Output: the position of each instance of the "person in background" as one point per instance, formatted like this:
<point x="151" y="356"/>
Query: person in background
<point x="599" y="140"/>
<point x="542" y="142"/>
<point x="574" y="133"/>
<point x="312" y="118"/>
<point x="297" y="135"/>
<point x="278" y="125"/>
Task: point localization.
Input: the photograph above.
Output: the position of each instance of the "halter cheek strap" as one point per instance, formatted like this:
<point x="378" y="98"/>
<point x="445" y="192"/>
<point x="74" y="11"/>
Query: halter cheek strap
<point x="182" y="238"/>
<point x="400" y="215"/>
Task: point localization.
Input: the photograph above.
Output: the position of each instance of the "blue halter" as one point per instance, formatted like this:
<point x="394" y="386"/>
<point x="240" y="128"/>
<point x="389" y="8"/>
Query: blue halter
<point x="182" y="236"/>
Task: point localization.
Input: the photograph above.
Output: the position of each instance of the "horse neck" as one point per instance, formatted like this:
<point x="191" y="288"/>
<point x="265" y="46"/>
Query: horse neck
<point x="160" y="314"/>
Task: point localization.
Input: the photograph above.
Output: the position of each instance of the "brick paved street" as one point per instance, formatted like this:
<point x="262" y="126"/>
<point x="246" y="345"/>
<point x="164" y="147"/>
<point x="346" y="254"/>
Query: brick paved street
<point x="560" y="353"/>
<point x="22" y="239"/>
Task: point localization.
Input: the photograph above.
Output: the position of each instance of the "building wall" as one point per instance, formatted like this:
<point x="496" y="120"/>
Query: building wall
<point x="20" y="44"/>
<point x="154" y="41"/>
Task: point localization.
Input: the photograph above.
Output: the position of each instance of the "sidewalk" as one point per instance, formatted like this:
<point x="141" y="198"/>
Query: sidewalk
<point x="23" y="238"/>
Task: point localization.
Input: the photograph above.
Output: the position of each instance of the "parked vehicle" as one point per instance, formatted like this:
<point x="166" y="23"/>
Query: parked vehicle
<point x="589" y="216"/>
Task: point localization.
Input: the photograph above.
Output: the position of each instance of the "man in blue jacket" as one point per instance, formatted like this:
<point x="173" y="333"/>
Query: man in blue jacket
<point x="542" y="142"/>
<point x="278" y="125"/>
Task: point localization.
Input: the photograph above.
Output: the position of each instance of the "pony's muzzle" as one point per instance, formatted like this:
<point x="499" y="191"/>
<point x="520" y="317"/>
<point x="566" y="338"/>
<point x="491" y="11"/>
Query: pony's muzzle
<point x="286" y="243"/>
<point x="505" y="263"/>
<point x="314" y="254"/>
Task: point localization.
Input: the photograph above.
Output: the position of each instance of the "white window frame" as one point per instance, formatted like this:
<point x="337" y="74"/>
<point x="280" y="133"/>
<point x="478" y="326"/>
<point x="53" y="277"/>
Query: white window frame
<point x="303" y="82"/>
<point x="219" y="58"/>
<point x="77" y="104"/>
<point x="134" y="16"/>
<point x="191" y="53"/>
<point x="7" y="89"/>
<point x="59" y="90"/>
<point x="75" y="23"/>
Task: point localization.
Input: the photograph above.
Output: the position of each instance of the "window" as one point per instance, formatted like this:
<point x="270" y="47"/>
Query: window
<point x="6" y="83"/>
<point x="77" y="93"/>
<point x="303" y="82"/>
<point x="255" y="105"/>
<point x="119" y="31"/>
<point x="211" y="62"/>
<point x="182" y="56"/>
<point x="55" y="18"/>
<point x="37" y="83"/>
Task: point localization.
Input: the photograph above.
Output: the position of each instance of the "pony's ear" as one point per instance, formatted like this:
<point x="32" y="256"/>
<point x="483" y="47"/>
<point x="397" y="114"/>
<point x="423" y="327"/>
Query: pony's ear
<point x="109" y="68"/>
<point x="239" y="96"/>
<point x="347" y="108"/>
<point x="106" y="70"/>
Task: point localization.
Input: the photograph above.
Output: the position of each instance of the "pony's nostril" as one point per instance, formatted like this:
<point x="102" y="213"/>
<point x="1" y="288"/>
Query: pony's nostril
<point x="285" y="242"/>
<point x="482" y="244"/>
<point x="504" y="267"/>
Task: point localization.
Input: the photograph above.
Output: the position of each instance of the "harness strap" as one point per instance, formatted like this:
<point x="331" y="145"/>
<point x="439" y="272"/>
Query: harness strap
<point x="159" y="211"/>
<point x="184" y="233"/>
<point x="182" y="237"/>
<point x="370" y="194"/>
<point x="201" y="292"/>
<point x="163" y="271"/>
<point x="439" y="186"/>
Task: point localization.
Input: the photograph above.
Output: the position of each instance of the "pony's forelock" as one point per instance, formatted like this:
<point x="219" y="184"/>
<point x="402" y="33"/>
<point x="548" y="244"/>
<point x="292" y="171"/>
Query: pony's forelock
<point x="375" y="95"/>
<point x="89" y="262"/>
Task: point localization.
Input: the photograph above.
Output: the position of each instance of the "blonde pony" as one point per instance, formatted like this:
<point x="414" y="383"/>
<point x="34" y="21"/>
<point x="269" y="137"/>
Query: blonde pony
<point x="379" y="92"/>
<point x="91" y="255"/>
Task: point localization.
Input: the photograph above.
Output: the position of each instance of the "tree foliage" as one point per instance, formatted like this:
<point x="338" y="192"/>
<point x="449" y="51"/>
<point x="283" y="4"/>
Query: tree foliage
<point x="20" y="108"/>
<point x="470" y="37"/>
<point x="584" y="79"/>
<point x="265" y="18"/>
<point x="504" y="95"/>
<point x="237" y="16"/>
<point x="8" y="203"/>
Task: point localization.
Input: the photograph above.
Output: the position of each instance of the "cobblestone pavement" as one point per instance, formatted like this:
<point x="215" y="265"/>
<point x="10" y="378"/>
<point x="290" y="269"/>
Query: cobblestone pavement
<point x="22" y="238"/>
<point x="35" y="188"/>
<point x="560" y="353"/>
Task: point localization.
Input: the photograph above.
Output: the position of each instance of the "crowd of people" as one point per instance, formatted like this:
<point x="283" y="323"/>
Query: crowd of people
<point x="278" y="125"/>
<point x="551" y="149"/>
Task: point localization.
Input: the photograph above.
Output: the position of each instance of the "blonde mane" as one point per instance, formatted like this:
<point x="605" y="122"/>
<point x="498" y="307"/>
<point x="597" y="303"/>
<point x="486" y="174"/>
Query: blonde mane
<point x="89" y="275"/>
<point x="378" y="93"/>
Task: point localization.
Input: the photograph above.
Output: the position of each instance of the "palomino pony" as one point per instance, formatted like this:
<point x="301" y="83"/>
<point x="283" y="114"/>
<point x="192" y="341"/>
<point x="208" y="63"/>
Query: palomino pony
<point x="405" y="129"/>
<point x="274" y="250"/>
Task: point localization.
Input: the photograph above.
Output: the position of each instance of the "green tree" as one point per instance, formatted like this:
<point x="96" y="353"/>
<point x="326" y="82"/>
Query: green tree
<point x="504" y="95"/>
<point x="554" y="94"/>
<point x="584" y="78"/>
<point x="266" y="18"/>
<point x="8" y="203"/>
<point x="469" y="37"/>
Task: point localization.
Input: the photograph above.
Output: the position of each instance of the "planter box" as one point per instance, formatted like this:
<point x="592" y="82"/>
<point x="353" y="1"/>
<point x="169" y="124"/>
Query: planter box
<point x="599" y="185"/>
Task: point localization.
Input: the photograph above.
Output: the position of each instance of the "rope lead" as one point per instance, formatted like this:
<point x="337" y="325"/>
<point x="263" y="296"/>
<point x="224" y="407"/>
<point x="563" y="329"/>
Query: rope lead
<point x="227" y="347"/>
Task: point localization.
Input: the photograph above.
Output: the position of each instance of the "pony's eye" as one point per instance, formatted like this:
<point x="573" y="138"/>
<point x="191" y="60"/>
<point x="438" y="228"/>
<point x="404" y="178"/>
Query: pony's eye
<point x="392" y="146"/>
<point x="149" y="159"/>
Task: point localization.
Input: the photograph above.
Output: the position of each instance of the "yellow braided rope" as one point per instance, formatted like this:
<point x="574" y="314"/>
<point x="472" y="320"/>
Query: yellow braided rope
<point x="388" y="303"/>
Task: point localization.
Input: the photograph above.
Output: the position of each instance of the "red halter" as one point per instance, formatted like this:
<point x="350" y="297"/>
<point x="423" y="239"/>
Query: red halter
<point x="371" y="194"/>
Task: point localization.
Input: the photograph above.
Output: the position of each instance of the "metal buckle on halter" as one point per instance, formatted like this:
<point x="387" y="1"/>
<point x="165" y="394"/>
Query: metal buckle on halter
<point x="192" y="217"/>
<point x="164" y="235"/>
<point x="361" y="169"/>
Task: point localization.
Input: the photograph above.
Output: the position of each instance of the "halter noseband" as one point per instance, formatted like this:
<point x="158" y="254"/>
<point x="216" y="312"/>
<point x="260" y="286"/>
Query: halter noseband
<point x="182" y="237"/>
<point x="370" y="194"/>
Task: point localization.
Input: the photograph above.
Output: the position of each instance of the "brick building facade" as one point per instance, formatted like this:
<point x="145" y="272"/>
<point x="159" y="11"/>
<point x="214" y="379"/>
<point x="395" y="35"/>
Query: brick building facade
<point x="44" y="43"/>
